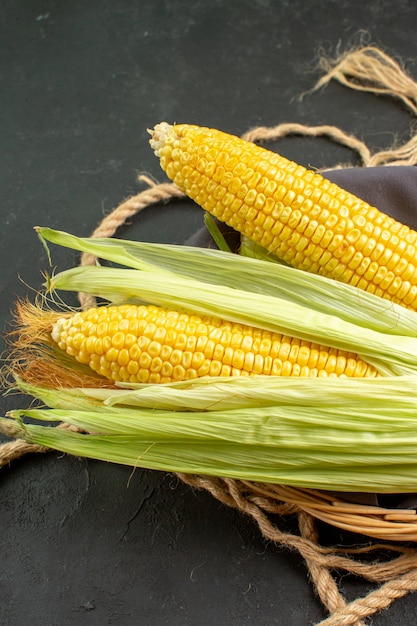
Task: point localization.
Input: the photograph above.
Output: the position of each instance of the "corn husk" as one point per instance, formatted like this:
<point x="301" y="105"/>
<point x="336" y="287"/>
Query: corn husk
<point x="339" y="434"/>
<point x="311" y="433"/>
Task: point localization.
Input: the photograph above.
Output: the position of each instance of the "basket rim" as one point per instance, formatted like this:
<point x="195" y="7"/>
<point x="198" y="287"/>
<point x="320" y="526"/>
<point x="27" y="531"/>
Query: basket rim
<point x="373" y="521"/>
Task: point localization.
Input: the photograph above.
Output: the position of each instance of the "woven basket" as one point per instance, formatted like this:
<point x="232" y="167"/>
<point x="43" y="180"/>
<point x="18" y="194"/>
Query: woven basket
<point x="373" y="521"/>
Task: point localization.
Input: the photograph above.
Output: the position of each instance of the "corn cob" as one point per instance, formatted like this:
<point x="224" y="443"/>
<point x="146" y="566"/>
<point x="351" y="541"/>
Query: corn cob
<point x="150" y="344"/>
<point x="294" y="213"/>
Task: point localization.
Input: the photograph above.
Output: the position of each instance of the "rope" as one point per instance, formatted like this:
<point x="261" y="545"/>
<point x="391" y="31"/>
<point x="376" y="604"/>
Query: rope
<point x="366" y="69"/>
<point x="263" y="133"/>
<point x="14" y="450"/>
<point x="374" y="602"/>
<point x="324" y="582"/>
<point x="371" y="70"/>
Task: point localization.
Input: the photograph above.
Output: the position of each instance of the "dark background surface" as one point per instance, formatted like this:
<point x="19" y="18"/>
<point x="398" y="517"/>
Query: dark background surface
<point x="83" y="542"/>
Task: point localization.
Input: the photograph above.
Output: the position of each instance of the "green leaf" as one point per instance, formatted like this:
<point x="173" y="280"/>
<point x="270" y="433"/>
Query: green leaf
<point x="215" y="232"/>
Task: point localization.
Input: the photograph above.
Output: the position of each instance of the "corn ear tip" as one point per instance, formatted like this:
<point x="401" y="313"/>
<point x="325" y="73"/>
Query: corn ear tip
<point x="159" y="135"/>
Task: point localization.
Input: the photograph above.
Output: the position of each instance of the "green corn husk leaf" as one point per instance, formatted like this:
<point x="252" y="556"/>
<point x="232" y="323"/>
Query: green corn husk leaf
<point x="314" y="433"/>
<point x="248" y="274"/>
<point x="221" y="459"/>
<point x="371" y="448"/>
<point x="215" y="232"/>
<point x="392" y="394"/>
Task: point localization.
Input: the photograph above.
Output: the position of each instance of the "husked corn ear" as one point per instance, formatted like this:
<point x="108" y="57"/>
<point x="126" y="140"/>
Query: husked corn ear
<point x="294" y="213"/>
<point x="150" y="344"/>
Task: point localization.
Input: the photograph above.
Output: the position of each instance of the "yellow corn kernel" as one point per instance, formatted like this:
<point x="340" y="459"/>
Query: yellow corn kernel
<point x="334" y="224"/>
<point x="168" y="346"/>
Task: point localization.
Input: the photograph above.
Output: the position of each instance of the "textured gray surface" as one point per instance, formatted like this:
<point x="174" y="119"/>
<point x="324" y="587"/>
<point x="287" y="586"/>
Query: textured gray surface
<point x="84" y="542"/>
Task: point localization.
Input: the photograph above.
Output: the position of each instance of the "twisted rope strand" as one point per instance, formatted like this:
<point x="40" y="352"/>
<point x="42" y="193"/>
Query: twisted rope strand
<point x="324" y="582"/>
<point x="403" y="155"/>
<point x="374" y="601"/>
<point x="318" y="566"/>
<point x="370" y="69"/>
<point x="264" y="133"/>
<point x="14" y="450"/>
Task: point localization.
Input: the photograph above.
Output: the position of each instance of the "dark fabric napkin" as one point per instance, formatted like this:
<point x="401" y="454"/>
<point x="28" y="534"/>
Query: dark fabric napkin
<point x="393" y="190"/>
